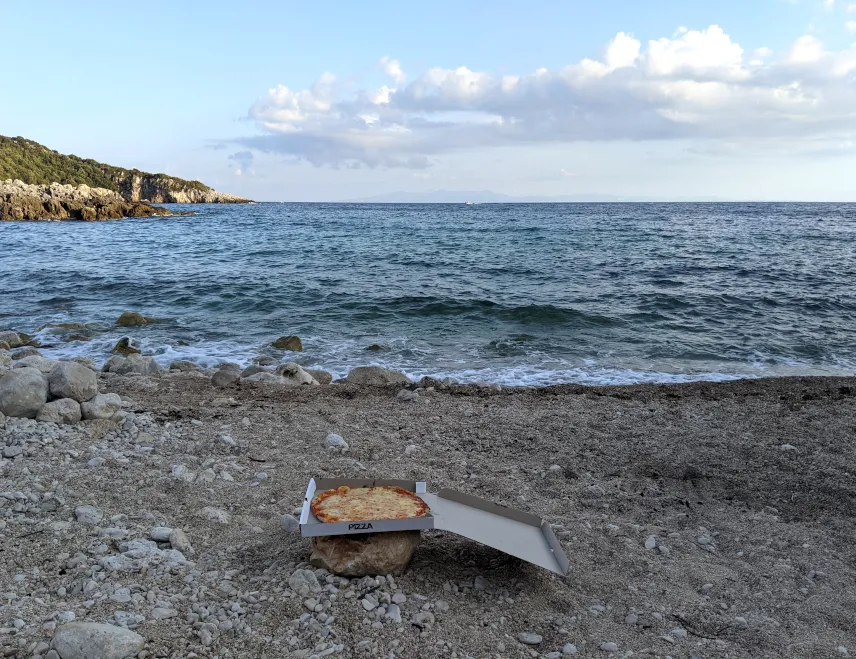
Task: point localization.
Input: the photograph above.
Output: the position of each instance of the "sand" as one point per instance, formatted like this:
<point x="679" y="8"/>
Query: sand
<point x="743" y="492"/>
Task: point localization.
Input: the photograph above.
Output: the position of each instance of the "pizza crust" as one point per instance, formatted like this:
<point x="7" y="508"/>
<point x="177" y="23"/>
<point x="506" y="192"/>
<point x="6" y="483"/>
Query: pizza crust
<point x="356" y="504"/>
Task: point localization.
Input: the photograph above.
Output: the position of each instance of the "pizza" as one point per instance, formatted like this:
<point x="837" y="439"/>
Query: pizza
<point x="355" y="504"/>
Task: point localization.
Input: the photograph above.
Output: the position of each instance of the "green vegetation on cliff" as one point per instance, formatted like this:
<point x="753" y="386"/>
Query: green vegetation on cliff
<point x="33" y="163"/>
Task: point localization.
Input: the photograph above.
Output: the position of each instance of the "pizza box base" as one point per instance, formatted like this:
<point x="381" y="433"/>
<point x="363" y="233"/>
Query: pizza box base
<point x="511" y="531"/>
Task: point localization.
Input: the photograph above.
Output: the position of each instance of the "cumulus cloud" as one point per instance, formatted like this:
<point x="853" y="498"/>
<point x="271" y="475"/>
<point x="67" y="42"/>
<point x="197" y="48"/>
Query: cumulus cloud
<point x="392" y="68"/>
<point x="699" y="84"/>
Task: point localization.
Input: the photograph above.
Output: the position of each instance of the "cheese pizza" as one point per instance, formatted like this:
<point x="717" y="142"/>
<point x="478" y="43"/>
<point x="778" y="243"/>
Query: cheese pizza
<point x="355" y="504"/>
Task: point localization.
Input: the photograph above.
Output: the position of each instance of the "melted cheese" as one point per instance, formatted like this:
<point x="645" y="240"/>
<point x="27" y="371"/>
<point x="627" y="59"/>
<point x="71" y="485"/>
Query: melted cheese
<point x="345" y="504"/>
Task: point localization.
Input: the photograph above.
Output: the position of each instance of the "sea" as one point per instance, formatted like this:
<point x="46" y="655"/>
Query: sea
<point x="516" y="294"/>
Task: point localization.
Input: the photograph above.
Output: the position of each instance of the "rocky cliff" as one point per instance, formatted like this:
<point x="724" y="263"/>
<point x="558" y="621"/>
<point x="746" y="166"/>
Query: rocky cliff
<point x="22" y="201"/>
<point x="35" y="164"/>
<point x="163" y="189"/>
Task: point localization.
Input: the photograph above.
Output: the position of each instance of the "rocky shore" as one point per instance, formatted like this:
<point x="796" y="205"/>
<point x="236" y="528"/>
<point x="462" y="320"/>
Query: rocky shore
<point x="701" y="520"/>
<point x="21" y="201"/>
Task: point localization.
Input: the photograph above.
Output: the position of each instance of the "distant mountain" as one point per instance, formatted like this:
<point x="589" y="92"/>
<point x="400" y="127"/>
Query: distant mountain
<point x="490" y="197"/>
<point x="35" y="164"/>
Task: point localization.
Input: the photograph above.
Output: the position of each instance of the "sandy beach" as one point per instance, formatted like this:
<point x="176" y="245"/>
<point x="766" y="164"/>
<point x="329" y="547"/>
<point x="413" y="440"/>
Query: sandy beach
<point x="701" y="520"/>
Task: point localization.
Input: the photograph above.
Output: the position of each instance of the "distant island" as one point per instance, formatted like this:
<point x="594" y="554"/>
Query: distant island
<point x="37" y="183"/>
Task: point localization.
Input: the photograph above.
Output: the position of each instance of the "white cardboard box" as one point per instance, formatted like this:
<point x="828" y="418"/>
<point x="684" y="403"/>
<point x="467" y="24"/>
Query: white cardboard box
<point x="511" y="531"/>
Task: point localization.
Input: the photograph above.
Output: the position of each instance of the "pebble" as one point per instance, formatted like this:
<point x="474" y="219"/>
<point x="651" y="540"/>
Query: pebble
<point x="787" y="447"/>
<point x="529" y="638"/>
<point x="178" y="540"/>
<point x="631" y="619"/>
<point x="85" y="640"/>
<point x="290" y="523"/>
<point x="336" y="442"/>
<point x="160" y="613"/>
<point x="399" y="598"/>
<point x="407" y="396"/>
<point x="651" y="542"/>
<point x="609" y="647"/>
<point x="88" y="514"/>
<point x="393" y="613"/>
<point x="160" y="533"/>
<point x="569" y="648"/>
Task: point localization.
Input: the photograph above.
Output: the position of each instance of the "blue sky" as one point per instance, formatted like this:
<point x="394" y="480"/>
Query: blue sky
<point x="753" y="99"/>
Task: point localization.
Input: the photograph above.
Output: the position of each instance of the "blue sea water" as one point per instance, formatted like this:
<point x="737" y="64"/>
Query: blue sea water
<point x="512" y="293"/>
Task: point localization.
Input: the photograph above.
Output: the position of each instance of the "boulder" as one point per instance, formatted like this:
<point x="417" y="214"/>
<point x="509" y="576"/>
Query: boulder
<point x="64" y="410"/>
<point x="102" y="406"/>
<point x="229" y="366"/>
<point x="133" y="319"/>
<point x="72" y="380"/>
<point x="377" y="347"/>
<point x="365" y="554"/>
<point x="321" y="377"/>
<point x="137" y="365"/>
<point x="252" y="370"/>
<point x="183" y="365"/>
<point x="123" y="347"/>
<point x="292" y="343"/>
<point x="23" y="392"/>
<point x="112" y="363"/>
<point x="294" y="375"/>
<point x="265" y="376"/>
<point x="225" y="377"/>
<point x="27" y="351"/>
<point x="92" y="640"/>
<point x="264" y="360"/>
<point x="86" y="361"/>
<point x="5" y="346"/>
<point x="37" y="362"/>
<point x="13" y="339"/>
<point x="376" y="375"/>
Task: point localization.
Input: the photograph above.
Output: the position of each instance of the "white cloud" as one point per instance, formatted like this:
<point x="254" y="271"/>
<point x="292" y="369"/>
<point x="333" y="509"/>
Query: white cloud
<point x="850" y="26"/>
<point x="392" y="68"/>
<point x="699" y="84"/>
<point x="851" y="9"/>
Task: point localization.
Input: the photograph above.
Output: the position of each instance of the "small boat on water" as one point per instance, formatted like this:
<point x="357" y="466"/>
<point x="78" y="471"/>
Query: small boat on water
<point x="469" y="203"/>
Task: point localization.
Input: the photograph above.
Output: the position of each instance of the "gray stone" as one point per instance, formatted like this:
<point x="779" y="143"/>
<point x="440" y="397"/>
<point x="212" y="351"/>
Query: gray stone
<point x="72" y="380"/>
<point x="112" y="363"/>
<point x="399" y="598"/>
<point x="178" y="540"/>
<point x="36" y="361"/>
<point x="304" y="582"/>
<point x="102" y="406"/>
<point x="265" y="376"/>
<point x="23" y="392"/>
<point x="88" y="514"/>
<point x="162" y="613"/>
<point x="291" y="343"/>
<point x="376" y="375"/>
<point x="407" y="396"/>
<point x="423" y="619"/>
<point x="609" y="647"/>
<point x="12" y="339"/>
<point x="393" y="613"/>
<point x="89" y="640"/>
<point x="64" y="410"/>
<point x="225" y="377"/>
<point x="294" y="375"/>
<point x="290" y="523"/>
<point x="529" y="638"/>
<point x="252" y="370"/>
<point x="650" y="542"/>
<point x="336" y="442"/>
<point x="215" y="515"/>
<point x="183" y="365"/>
<point x="320" y="376"/>
<point x="12" y="451"/>
<point x="569" y="648"/>
<point x="137" y="365"/>
<point x="160" y="533"/>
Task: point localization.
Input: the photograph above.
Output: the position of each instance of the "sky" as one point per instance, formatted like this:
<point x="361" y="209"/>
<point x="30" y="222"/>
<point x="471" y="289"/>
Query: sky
<point x="327" y="101"/>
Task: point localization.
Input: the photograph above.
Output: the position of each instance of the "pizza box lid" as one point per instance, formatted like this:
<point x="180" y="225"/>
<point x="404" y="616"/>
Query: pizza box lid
<point x="511" y="531"/>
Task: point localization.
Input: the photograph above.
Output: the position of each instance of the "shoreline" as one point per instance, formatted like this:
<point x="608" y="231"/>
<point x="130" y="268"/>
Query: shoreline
<point x="703" y="517"/>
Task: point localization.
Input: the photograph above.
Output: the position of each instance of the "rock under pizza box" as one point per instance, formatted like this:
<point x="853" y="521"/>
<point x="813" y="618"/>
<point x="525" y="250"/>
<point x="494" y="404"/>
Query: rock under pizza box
<point x="511" y="531"/>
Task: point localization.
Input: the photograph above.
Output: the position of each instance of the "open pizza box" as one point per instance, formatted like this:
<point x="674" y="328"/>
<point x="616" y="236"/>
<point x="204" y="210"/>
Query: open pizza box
<point x="511" y="531"/>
